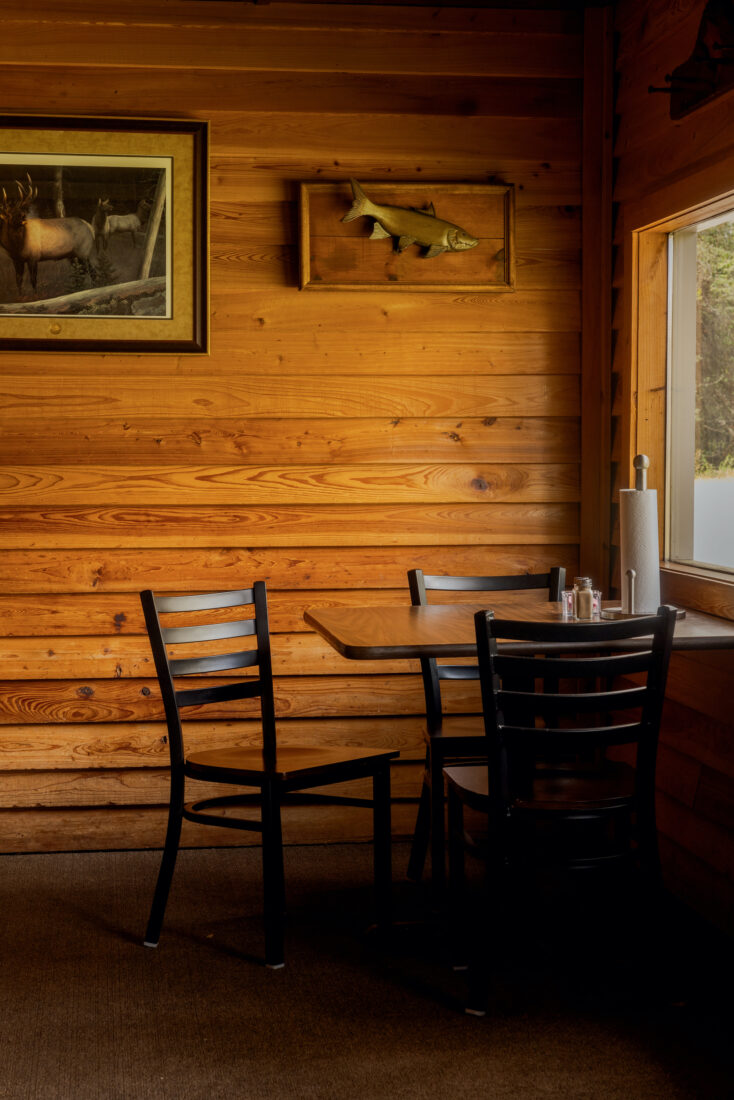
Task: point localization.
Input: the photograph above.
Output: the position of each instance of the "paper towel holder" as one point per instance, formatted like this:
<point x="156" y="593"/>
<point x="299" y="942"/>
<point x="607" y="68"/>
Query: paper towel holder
<point x="641" y="464"/>
<point x="617" y="612"/>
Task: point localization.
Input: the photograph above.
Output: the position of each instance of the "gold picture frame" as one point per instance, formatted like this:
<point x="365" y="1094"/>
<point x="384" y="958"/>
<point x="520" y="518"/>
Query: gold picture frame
<point x="103" y="234"/>
<point x="338" y="255"/>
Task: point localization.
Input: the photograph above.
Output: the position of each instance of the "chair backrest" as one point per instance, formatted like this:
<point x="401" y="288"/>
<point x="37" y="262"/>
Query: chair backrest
<point x="421" y="584"/>
<point x="607" y="688"/>
<point x="212" y="617"/>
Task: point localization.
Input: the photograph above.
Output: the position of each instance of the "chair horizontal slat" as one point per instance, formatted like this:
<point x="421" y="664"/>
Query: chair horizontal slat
<point x="486" y="584"/>
<point x="208" y="632"/>
<point x="205" y="601"/>
<point x="458" y="672"/>
<point x="527" y="702"/>
<point x="221" y="662"/>
<point x="218" y="693"/>
<point x="608" y="664"/>
<point x="572" y="740"/>
<point x="604" y="632"/>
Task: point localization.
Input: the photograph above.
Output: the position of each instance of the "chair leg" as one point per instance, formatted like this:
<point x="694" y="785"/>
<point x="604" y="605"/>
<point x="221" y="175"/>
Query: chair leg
<point x="438" y="831"/>
<point x="477" y="999"/>
<point x="273" y="879"/>
<point x="648" y="849"/>
<point x="457" y="881"/>
<point x="489" y="912"/>
<point x="469" y="919"/>
<point x="421" y="834"/>
<point x="382" y="846"/>
<point x="168" y="863"/>
<point x="466" y="932"/>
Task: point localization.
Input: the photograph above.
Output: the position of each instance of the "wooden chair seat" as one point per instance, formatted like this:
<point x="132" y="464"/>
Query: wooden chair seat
<point x="570" y="792"/>
<point x="293" y="764"/>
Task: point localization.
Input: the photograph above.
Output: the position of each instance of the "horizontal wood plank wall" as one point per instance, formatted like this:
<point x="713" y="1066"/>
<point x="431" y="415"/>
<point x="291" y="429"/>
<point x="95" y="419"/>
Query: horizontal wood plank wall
<point x="655" y="156"/>
<point x="329" y="442"/>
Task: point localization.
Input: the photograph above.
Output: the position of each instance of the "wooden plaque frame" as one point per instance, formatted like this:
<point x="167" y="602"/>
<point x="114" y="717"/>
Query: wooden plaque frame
<point x="335" y="255"/>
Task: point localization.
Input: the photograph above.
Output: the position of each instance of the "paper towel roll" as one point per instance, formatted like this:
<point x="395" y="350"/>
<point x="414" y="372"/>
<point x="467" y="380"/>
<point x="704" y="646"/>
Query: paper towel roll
<point x="638" y="537"/>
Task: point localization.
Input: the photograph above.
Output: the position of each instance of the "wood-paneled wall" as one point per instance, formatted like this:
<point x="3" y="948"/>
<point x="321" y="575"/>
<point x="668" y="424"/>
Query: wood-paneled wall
<point x="329" y="442"/>
<point x="662" y="168"/>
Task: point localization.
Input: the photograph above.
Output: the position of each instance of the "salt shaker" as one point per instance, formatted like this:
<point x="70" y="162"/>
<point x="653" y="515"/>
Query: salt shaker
<point x="583" y="598"/>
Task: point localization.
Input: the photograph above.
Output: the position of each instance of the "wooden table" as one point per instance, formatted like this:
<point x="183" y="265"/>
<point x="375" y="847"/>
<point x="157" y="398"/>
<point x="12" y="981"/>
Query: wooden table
<point x="447" y="630"/>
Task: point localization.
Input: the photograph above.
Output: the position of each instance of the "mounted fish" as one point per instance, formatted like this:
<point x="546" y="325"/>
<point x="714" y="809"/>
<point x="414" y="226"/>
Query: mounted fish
<point x="408" y="226"/>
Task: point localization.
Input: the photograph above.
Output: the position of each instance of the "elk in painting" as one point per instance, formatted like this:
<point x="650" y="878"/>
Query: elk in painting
<point x="106" y="224"/>
<point x="29" y="239"/>
<point x="99" y="223"/>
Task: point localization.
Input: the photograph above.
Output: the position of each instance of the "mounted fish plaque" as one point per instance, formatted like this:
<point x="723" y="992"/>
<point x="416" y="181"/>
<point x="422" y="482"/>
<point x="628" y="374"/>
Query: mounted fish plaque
<point x="407" y="236"/>
<point x="407" y="226"/>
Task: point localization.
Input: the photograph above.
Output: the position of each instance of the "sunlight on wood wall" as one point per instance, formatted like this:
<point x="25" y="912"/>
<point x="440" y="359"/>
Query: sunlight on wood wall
<point x="330" y="442"/>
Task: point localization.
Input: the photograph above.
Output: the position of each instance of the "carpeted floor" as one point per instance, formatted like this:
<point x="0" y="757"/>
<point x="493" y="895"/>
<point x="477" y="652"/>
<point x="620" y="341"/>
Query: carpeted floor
<point x="87" y="1012"/>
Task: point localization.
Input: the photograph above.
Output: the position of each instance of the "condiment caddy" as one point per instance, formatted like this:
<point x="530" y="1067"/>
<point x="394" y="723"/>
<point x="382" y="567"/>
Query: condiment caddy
<point x="582" y="603"/>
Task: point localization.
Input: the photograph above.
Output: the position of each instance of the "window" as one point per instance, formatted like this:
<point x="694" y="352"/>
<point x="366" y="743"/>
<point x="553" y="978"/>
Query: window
<point x="700" y="394"/>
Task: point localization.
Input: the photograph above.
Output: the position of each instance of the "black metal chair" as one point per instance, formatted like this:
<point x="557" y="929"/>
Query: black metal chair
<point x="608" y="690"/>
<point x="276" y="772"/>
<point x="454" y="738"/>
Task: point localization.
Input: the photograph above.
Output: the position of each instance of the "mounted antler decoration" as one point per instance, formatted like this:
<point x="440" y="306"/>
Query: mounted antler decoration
<point x="709" y="71"/>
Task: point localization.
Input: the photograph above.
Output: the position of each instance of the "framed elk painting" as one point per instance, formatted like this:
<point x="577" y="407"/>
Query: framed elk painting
<point x="103" y="228"/>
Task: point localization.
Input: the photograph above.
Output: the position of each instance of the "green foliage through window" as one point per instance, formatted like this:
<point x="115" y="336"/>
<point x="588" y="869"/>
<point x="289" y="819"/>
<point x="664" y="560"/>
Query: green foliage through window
<point x="715" y="351"/>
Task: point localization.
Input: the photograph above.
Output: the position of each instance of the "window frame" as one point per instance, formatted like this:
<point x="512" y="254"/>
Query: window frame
<point x="648" y="311"/>
<point x="681" y="426"/>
